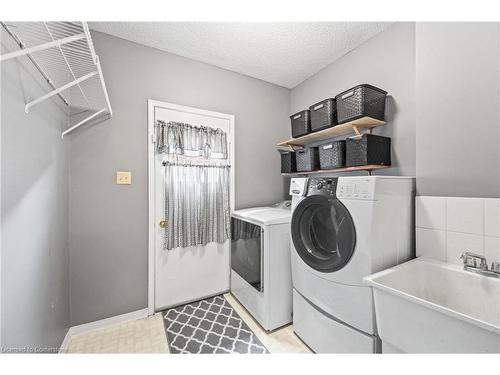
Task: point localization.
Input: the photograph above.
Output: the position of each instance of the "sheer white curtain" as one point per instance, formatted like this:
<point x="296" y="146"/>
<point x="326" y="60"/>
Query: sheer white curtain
<point x="197" y="182"/>
<point x="197" y="205"/>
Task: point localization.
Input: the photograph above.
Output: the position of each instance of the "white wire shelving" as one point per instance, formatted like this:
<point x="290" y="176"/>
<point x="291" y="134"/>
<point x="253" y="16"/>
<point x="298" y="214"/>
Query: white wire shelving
<point x="64" y="55"/>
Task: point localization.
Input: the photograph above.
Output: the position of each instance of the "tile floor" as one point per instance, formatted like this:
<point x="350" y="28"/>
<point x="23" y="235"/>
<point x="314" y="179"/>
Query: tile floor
<point x="138" y="336"/>
<point x="282" y="340"/>
<point x="148" y="336"/>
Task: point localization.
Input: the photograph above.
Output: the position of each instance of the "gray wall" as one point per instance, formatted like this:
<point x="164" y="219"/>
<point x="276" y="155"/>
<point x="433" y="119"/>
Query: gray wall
<point x="386" y="61"/>
<point x="453" y="70"/>
<point x="444" y="83"/>
<point x="458" y="129"/>
<point x="108" y="223"/>
<point x="34" y="216"/>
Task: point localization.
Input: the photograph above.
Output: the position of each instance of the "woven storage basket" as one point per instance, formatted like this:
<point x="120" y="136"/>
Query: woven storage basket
<point x="368" y="149"/>
<point x="332" y="155"/>
<point x="307" y="159"/>
<point x="301" y="123"/>
<point x="323" y="115"/>
<point x="360" y="101"/>
<point x="288" y="164"/>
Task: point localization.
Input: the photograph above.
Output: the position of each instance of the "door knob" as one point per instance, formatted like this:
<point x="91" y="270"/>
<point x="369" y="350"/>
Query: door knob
<point x="163" y="223"/>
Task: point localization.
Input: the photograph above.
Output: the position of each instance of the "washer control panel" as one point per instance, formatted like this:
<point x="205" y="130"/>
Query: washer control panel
<point x="356" y="188"/>
<point x="324" y="186"/>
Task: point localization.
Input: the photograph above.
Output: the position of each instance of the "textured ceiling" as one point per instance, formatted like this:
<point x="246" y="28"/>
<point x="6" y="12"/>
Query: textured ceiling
<point x="282" y="53"/>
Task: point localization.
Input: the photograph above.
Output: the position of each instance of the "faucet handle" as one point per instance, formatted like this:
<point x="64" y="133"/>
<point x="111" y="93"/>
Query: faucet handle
<point x="495" y="267"/>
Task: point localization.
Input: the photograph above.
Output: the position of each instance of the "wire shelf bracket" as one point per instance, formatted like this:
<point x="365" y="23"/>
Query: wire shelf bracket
<point x="83" y="122"/>
<point x="58" y="90"/>
<point x="63" y="51"/>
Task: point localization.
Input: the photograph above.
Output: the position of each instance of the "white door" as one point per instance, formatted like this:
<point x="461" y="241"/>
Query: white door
<point x="183" y="275"/>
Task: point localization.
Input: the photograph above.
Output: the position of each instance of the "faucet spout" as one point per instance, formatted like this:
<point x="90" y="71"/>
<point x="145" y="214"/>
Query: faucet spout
<point x="477" y="263"/>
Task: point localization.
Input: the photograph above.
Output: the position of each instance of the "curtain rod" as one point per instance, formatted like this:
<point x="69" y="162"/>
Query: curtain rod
<point x="178" y="164"/>
<point x="183" y="124"/>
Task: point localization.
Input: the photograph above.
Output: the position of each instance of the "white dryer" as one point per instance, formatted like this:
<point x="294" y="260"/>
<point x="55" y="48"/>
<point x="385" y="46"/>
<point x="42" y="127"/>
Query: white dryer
<point x="260" y="264"/>
<point x="345" y="228"/>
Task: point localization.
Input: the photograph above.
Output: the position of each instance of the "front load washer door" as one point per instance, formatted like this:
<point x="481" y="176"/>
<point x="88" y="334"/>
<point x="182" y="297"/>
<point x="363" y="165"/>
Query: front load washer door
<point x="323" y="233"/>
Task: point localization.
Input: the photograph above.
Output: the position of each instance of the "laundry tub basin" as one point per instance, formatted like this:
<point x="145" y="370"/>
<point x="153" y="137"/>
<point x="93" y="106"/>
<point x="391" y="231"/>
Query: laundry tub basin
<point x="427" y="306"/>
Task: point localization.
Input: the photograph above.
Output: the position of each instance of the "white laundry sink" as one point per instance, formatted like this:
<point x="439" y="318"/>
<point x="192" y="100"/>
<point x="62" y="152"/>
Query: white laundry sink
<point x="427" y="306"/>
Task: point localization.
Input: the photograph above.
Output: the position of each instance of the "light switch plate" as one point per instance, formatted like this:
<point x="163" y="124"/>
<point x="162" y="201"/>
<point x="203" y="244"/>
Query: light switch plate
<point x="123" y="178"/>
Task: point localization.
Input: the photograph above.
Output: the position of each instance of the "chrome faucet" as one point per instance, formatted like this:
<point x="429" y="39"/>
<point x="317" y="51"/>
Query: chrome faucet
<point x="477" y="263"/>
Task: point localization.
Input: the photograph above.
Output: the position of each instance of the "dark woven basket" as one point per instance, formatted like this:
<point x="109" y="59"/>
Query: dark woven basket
<point x="323" y="115"/>
<point x="288" y="164"/>
<point x="301" y="123"/>
<point x="332" y="155"/>
<point x="307" y="159"/>
<point x="369" y="149"/>
<point x="360" y="101"/>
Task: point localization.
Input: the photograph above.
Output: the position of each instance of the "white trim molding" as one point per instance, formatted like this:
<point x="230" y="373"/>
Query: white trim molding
<point x="103" y="323"/>
<point x="65" y="344"/>
<point x="152" y="104"/>
<point x="151" y="206"/>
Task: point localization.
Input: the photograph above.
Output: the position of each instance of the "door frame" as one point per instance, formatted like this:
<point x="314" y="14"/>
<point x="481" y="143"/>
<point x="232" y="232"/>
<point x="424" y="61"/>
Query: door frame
<point x="152" y="104"/>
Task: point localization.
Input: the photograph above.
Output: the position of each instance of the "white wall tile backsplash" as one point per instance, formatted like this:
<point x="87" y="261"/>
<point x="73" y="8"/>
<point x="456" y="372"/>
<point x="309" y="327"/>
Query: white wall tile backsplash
<point x="492" y="217"/>
<point x="492" y="249"/>
<point x="431" y="212"/>
<point x="457" y="243"/>
<point x="465" y="215"/>
<point x="448" y="226"/>
<point x="431" y="243"/>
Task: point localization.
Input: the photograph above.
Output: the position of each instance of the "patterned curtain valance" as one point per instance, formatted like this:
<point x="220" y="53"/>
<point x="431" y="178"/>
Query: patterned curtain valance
<point x="184" y="139"/>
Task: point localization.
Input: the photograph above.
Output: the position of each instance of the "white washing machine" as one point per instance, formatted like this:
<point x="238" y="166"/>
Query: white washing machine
<point x="260" y="264"/>
<point x="345" y="228"/>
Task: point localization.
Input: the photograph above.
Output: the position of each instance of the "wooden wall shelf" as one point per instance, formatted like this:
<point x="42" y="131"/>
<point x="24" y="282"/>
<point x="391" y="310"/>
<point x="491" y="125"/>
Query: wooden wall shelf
<point x="368" y="168"/>
<point x="347" y="128"/>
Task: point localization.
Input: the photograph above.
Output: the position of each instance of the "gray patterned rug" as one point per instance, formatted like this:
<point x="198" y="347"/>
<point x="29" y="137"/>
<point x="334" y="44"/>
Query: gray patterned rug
<point x="209" y="326"/>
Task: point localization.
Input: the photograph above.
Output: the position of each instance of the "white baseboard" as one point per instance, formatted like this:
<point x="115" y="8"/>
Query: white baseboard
<point x="103" y="323"/>
<point x="64" y="346"/>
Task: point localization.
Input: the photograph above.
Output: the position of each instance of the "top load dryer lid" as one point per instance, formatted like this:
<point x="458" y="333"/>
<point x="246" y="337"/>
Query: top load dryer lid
<point x="264" y="215"/>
